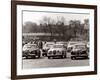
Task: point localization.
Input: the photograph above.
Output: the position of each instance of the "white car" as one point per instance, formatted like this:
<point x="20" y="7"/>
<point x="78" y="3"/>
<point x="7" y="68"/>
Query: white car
<point x="57" y="50"/>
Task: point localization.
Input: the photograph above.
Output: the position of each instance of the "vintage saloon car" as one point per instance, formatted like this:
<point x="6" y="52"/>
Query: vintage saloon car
<point x="79" y="51"/>
<point x="57" y="50"/>
<point x="70" y="45"/>
<point x="46" y="47"/>
<point x="31" y="51"/>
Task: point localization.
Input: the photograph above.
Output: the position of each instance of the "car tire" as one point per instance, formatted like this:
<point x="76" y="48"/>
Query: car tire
<point x="64" y="56"/>
<point x="26" y="57"/>
<point x="43" y="55"/>
<point x="38" y="56"/>
<point x="61" y="57"/>
<point x="50" y="57"/>
<point x="73" y="58"/>
<point x="86" y="57"/>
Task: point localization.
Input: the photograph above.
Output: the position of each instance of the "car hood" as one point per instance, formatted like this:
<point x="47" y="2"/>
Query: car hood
<point x="57" y="49"/>
<point x="78" y="50"/>
<point x="29" y="49"/>
<point x="46" y="48"/>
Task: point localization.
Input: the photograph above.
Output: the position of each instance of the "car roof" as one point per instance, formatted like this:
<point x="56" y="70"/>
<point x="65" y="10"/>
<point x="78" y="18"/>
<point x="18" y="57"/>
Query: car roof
<point x="80" y="44"/>
<point x="62" y="42"/>
<point x="30" y="44"/>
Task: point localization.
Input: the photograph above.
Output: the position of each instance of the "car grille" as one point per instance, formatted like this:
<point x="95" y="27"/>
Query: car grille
<point x="56" y="52"/>
<point x="34" y="52"/>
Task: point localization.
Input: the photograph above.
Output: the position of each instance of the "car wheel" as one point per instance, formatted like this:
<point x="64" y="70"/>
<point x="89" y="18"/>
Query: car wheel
<point x="73" y="58"/>
<point x="26" y="57"/>
<point x="43" y="55"/>
<point x="86" y="57"/>
<point x="50" y="57"/>
<point x="64" y="56"/>
<point x="38" y="56"/>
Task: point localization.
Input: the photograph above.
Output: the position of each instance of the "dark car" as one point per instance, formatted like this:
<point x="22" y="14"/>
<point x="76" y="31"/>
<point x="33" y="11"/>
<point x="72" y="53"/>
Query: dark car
<point x="31" y="51"/>
<point x="79" y="51"/>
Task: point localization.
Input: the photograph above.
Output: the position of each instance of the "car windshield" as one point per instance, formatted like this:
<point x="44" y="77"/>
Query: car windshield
<point x="72" y="43"/>
<point x="49" y="45"/>
<point x="31" y="46"/>
<point x="80" y="47"/>
<point x="58" y="46"/>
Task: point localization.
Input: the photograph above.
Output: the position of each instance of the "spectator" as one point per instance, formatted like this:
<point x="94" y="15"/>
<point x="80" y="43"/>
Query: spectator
<point x="35" y="42"/>
<point x="55" y="41"/>
<point x="44" y="42"/>
<point x="40" y="44"/>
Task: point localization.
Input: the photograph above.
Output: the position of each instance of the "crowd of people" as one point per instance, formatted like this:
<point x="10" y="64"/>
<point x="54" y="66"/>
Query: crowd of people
<point x="40" y="43"/>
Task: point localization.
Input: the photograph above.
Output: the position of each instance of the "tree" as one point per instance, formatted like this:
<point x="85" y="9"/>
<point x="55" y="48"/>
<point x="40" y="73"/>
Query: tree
<point x="47" y="25"/>
<point x="86" y="29"/>
<point x="29" y="27"/>
<point x="75" y="26"/>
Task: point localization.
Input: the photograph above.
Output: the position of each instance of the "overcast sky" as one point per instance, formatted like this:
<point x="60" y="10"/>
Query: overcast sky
<point x="34" y="16"/>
